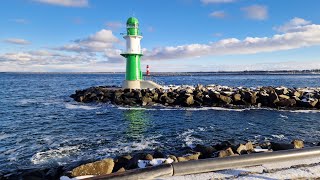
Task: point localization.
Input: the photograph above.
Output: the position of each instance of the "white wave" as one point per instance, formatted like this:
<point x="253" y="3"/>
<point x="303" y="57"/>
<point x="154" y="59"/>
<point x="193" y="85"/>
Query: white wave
<point x="305" y="111"/>
<point x="133" y="108"/>
<point x="76" y="178"/>
<point x="26" y="101"/>
<point x="54" y="154"/>
<point x="201" y="129"/>
<point x="121" y="148"/>
<point x="280" y="136"/>
<point x="72" y="106"/>
<point x="216" y="109"/>
<point x="4" y="136"/>
<point x="251" y="124"/>
<point x="188" y="139"/>
<point x="284" y="116"/>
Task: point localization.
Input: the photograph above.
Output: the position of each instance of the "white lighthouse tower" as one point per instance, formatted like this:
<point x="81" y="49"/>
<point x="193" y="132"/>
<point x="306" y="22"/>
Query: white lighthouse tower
<point x="133" y="54"/>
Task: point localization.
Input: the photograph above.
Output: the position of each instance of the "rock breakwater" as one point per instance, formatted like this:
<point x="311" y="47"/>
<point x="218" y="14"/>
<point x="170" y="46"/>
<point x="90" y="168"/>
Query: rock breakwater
<point x="204" y="96"/>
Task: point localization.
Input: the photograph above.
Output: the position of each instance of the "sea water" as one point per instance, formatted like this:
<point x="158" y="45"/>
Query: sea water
<point x="41" y="126"/>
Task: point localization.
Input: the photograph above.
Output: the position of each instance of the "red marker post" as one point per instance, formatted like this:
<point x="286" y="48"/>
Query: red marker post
<point x="148" y="70"/>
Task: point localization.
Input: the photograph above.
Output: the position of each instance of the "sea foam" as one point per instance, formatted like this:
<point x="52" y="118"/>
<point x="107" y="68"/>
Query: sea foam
<point x="72" y="106"/>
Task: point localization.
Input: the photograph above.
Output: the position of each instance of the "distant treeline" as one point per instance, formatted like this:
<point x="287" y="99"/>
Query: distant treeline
<point x="280" y="72"/>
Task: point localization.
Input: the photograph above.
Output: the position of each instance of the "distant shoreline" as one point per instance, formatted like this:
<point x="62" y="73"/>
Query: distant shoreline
<point x="280" y="72"/>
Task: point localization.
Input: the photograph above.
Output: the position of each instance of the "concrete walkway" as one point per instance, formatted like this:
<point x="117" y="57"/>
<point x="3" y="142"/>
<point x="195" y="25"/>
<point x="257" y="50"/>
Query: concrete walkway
<point x="295" y="169"/>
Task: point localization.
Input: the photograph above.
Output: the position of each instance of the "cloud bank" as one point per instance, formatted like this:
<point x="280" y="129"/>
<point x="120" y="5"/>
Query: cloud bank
<point x="296" y="36"/>
<point x="17" y="41"/>
<point x="101" y="49"/>
<point x="66" y="3"/>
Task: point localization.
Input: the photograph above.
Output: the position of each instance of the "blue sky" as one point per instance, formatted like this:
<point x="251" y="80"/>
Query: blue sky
<point x="179" y="35"/>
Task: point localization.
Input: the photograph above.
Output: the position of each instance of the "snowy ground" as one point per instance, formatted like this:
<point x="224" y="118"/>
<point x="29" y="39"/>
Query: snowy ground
<point x="296" y="169"/>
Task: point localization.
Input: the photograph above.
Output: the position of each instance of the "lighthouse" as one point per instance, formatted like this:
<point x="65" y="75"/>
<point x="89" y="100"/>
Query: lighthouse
<point x="133" y="54"/>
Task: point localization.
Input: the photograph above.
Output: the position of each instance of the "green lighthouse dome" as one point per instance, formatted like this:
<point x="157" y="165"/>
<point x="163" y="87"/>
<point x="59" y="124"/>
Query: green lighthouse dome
<point x="133" y="26"/>
<point x="132" y="21"/>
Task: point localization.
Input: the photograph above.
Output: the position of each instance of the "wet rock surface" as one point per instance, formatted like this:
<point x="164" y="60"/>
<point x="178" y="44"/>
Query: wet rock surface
<point x="204" y="96"/>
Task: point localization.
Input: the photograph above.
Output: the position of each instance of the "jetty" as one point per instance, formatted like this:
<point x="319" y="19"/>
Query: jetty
<point x="204" y="96"/>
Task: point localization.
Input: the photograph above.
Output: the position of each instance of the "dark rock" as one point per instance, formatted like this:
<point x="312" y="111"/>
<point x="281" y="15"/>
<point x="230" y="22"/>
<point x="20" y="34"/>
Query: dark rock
<point x="121" y="162"/>
<point x="158" y="154"/>
<point x="34" y="174"/>
<point x="280" y="146"/>
<point x="206" y="151"/>
<point x="273" y="98"/>
<point x="224" y="145"/>
<point x="308" y="103"/>
<point x="54" y="173"/>
<point x="286" y="102"/>
<point x="281" y="90"/>
<point x="133" y="162"/>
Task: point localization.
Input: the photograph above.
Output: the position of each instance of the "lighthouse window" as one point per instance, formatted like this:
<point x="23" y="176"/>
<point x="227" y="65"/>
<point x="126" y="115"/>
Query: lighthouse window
<point x="132" y="26"/>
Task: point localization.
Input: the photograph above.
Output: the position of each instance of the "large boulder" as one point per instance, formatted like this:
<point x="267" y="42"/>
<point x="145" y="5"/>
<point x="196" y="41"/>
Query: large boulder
<point x="287" y="102"/>
<point x="298" y="144"/>
<point x="225" y="99"/>
<point x="174" y="158"/>
<point x="102" y="167"/>
<point x="281" y="90"/>
<point x="146" y="100"/>
<point x="273" y="98"/>
<point x="281" y="146"/>
<point x="206" y="151"/>
<point x="308" y="102"/>
<point x="189" y="157"/>
<point x="121" y="162"/>
<point x="189" y="101"/>
<point x="237" y="97"/>
<point x="225" y="153"/>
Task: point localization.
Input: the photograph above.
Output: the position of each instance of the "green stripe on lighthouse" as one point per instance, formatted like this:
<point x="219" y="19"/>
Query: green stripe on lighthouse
<point x="133" y="69"/>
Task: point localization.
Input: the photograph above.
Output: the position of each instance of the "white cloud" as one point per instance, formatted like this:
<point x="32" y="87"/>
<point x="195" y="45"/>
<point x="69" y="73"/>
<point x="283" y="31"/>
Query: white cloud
<point x="114" y="56"/>
<point x="217" y="1"/>
<point x="115" y="25"/>
<point x="44" y="57"/>
<point x="308" y="35"/>
<point x="294" y="25"/>
<point x="20" y="21"/>
<point x="67" y="3"/>
<point x="97" y="42"/>
<point x="218" y="14"/>
<point x="17" y="41"/>
<point x="256" y="12"/>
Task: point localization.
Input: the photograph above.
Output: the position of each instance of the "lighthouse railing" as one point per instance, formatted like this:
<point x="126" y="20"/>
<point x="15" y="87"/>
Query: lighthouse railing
<point x="150" y="78"/>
